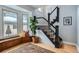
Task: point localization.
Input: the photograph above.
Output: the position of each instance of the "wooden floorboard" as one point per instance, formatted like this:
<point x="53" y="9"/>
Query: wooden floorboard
<point x="65" y="49"/>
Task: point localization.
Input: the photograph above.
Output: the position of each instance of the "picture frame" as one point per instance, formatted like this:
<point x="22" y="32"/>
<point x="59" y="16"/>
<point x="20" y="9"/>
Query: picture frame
<point x="67" y="20"/>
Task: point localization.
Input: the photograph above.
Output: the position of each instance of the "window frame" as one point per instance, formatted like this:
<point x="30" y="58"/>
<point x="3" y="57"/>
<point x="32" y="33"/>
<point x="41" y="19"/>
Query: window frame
<point x="22" y="20"/>
<point x="3" y="22"/>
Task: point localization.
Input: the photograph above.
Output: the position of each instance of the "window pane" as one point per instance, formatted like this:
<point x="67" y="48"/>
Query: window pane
<point x="10" y="23"/>
<point x="24" y="22"/>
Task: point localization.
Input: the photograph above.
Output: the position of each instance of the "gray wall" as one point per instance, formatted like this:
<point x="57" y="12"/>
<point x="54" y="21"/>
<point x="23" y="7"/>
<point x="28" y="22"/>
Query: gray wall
<point x="37" y="13"/>
<point x="78" y="25"/>
<point x="1" y="23"/>
<point x="67" y="32"/>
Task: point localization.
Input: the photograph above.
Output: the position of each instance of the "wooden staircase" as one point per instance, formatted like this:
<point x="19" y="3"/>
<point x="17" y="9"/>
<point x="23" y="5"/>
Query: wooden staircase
<point x="52" y="32"/>
<point x="52" y="36"/>
<point x="48" y="33"/>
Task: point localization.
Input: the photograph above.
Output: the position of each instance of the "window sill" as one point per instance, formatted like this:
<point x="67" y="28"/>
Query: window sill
<point x="8" y="37"/>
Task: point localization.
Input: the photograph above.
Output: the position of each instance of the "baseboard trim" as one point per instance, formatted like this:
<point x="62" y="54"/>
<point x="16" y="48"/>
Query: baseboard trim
<point x="69" y="43"/>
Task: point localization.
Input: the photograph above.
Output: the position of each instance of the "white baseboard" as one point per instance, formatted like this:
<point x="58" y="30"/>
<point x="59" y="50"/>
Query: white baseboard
<point x="69" y="43"/>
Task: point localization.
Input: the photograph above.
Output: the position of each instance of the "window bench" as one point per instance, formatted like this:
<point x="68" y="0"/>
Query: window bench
<point x="13" y="41"/>
<point x="7" y="43"/>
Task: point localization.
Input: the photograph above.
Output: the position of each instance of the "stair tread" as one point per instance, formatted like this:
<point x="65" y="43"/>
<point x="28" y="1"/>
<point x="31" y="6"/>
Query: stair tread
<point x="47" y="30"/>
<point x="51" y="37"/>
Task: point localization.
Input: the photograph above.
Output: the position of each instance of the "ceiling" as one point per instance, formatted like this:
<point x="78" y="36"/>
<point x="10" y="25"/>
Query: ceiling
<point x="31" y="7"/>
<point x="37" y="6"/>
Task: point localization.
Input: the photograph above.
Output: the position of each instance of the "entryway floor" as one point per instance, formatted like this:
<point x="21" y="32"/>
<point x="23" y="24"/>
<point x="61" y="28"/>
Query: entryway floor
<point x="66" y="49"/>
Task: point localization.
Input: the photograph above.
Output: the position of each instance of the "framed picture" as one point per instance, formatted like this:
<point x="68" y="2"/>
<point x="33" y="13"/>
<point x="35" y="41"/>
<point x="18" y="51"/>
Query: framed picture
<point x="67" y="20"/>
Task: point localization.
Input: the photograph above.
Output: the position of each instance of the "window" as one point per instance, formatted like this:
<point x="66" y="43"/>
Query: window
<point x="9" y="23"/>
<point x="24" y="22"/>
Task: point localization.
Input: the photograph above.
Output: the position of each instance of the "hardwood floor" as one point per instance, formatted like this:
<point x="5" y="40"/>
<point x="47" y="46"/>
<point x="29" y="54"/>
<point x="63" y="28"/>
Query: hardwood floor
<point x="66" y="49"/>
